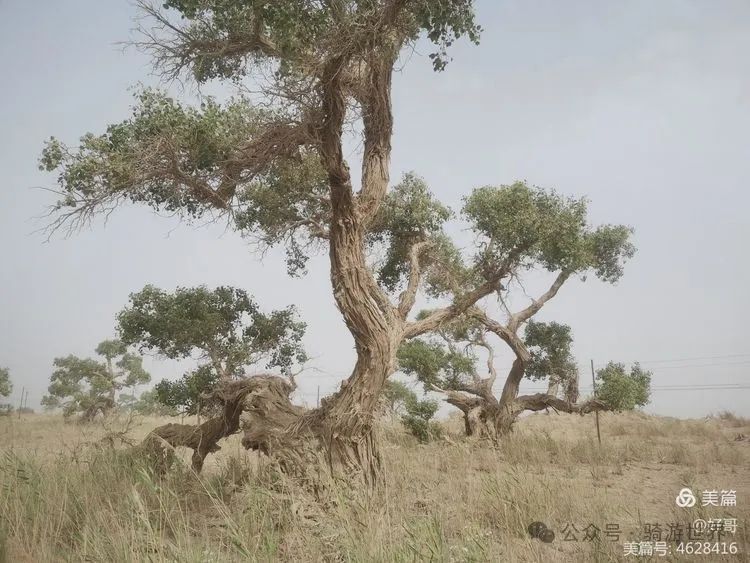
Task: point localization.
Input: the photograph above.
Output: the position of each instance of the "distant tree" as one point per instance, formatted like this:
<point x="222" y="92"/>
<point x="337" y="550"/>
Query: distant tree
<point x="418" y="419"/>
<point x="415" y="414"/>
<point x="89" y="386"/>
<point x="624" y="391"/>
<point x="6" y="386"/>
<point x="147" y="403"/>
<point x="395" y="396"/>
<point x="222" y="328"/>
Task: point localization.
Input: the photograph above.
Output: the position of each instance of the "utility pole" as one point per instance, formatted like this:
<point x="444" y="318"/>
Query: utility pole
<point x="596" y="412"/>
<point x="317" y="402"/>
<point x="20" y="403"/>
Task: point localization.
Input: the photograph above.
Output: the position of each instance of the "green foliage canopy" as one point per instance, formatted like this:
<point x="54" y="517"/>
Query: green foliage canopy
<point x="520" y="226"/>
<point x="436" y="364"/>
<point x="623" y="390"/>
<point x="245" y="33"/>
<point x="258" y="165"/>
<point x="6" y="386"/>
<point x="187" y="395"/>
<point x="87" y="385"/>
<point x="516" y="228"/>
<point x="224" y="326"/>
<point x="549" y="345"/>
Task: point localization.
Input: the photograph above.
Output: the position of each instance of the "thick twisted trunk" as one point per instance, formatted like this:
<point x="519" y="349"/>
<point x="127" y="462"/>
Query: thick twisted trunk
<point x="344" y="422"/>
<point x="340" y="430"/>
<point x="471" y="408"/>
<point x="343" y="425"/>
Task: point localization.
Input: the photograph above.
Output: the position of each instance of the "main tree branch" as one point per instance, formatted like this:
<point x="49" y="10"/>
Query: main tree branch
<point x="409" y="295"/>
<point x="524" y="315"/>
<point x="542" y="401"/>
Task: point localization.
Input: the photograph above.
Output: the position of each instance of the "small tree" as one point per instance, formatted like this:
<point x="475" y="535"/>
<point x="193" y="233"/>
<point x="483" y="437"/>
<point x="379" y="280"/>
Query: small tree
<point x="89" y="386"/>
<point x="147" y="403"/>
<point x="6" y="386"/>
<point x="416" y="415"/>
<point x="517" y="228"/>
<point x="418" y="419"/>
<point x="395" y="396"/>
<point x="226" y="332"/>
<point x="621" y="390"/>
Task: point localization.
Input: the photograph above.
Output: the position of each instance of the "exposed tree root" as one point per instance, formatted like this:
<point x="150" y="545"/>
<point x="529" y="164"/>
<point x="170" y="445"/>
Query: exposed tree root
<point x="301" y="441"/>
<point x="203" y="439"/>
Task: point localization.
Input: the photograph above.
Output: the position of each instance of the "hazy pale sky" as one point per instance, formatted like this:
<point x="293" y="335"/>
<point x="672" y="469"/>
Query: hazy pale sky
<point x="642" y="106"/>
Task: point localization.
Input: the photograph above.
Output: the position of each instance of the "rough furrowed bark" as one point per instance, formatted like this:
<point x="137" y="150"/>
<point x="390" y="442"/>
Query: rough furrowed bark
<point x="203" y="438"/>
<point x="470" y="407"/>
<point x="299" y="440"/>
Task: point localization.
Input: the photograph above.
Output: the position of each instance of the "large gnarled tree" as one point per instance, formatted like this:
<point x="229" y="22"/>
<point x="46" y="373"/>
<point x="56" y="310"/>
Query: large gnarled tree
<point x="447" y="363"/>
<point x="517" y="229"/>
<point x="277" y="172"/>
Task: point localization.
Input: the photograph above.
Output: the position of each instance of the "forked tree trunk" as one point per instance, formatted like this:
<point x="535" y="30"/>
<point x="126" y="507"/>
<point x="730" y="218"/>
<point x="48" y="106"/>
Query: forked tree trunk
<point x="343" y="424"/>
<point x="488" y="417"/>
<point x="341" y="429"/>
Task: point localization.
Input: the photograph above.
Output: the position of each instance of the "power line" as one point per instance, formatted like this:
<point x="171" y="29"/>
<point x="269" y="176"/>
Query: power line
<point x="674" y="388"/>
<point x="695" y="359"/>
<point x="744" y="362"/>
<point x="727" y="387"/>
<point x="745" y="359"/>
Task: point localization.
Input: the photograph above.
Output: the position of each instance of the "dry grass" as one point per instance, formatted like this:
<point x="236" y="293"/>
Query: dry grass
<point x="66" y="495"/>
